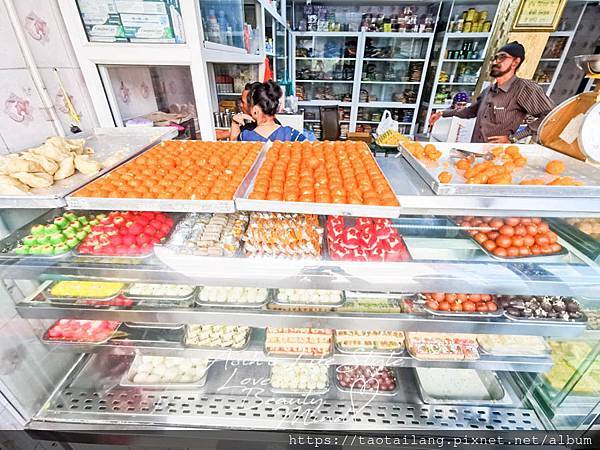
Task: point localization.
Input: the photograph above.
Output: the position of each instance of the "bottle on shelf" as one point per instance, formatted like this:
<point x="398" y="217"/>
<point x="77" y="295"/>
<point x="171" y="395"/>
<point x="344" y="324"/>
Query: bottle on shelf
<point x="214" y="30"/>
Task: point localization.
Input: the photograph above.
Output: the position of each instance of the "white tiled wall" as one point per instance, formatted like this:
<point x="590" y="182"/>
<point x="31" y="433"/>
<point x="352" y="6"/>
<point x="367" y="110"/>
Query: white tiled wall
<point x="23" y="120"/>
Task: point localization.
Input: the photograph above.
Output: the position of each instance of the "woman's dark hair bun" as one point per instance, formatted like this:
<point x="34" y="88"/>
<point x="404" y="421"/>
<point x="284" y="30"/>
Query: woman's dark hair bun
<point x="266" y="96"/>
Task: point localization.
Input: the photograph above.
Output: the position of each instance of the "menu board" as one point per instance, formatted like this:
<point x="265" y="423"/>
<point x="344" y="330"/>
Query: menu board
<point x="538" y="15"/>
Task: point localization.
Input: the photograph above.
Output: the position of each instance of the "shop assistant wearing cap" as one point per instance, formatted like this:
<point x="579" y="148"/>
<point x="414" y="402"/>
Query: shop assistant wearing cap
<point x="502" y="107"/>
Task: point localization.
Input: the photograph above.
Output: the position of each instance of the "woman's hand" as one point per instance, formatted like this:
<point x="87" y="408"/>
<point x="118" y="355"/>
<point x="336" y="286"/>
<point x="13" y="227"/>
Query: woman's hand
<point x="240" y="118"/>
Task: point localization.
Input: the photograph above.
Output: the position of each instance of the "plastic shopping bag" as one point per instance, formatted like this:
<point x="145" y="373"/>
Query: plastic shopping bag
<point x="387" y="123"/>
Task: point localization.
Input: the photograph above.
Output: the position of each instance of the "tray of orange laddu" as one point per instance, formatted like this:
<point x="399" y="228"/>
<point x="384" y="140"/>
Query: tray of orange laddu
<point x="501" y="170"/>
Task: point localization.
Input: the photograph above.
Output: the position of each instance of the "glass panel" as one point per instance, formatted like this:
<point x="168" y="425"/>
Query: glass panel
<point x="281" y="53"/>
<point x="153" y="95"/>
<point x="132" y="21"/>
<point x="325" y="67"/>
<point x="224" y="22"/>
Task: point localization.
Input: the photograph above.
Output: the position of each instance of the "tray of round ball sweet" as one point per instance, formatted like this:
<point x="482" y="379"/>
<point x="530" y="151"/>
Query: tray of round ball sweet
<point x="461" y="305"/>
<point x="512" y="237"/>
<point x="125" y="236"/>
<point x="545" y="308"/>
<point x="233" y="297"/>
<point x="300" y="378"/>
<point x="52" y="235"/>
<point x="368" y="380"/>
<point x="159" y="372"/>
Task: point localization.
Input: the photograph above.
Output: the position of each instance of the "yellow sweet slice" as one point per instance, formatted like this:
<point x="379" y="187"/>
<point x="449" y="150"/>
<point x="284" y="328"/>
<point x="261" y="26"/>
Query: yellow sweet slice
<point x="88" y="289"/>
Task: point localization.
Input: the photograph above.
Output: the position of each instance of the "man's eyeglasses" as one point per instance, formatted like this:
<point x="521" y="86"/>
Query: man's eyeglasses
<point x="500" y="57"/>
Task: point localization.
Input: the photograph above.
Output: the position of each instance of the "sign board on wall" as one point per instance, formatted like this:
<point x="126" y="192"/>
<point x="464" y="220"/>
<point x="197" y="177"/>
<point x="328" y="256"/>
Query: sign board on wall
<point x="538" y="15"/>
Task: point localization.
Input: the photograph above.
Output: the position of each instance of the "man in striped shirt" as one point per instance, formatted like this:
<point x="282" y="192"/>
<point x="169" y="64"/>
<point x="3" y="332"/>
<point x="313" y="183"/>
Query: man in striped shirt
<point x="503" y="107"/>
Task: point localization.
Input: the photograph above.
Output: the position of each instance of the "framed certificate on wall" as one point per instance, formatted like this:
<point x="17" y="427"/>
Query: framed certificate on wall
<point x="538" y="15"/>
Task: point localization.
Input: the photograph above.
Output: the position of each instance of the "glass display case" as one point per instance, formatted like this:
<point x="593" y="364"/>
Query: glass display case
<point x="324" y="67"/>
<point x="151" y="96"/>
<point x="135" y="22"/>
<point x="470" y="338"/>
<point x="281" y="68"/>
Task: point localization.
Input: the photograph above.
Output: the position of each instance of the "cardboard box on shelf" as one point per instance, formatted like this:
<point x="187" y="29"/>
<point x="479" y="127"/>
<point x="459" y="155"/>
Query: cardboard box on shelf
<point x="364" y="137"/>
<point x="101" y="21"/>
<point x="151" y="20"/>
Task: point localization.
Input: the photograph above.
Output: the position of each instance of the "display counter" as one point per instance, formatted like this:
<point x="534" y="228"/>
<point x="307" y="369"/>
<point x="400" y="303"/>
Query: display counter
<point x="299" y="343"/>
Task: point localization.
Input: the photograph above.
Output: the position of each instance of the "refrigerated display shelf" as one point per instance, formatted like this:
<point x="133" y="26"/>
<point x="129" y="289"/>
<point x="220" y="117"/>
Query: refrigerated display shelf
<point x="155" y="344"/>
<point x="264" y="317"/>
<point x="91" y="393"/>
<point x="444" y="275"/>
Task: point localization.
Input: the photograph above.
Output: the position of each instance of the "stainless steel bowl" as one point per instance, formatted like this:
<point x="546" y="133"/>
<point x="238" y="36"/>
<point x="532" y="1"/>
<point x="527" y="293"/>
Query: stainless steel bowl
<point x="590" y="64"/>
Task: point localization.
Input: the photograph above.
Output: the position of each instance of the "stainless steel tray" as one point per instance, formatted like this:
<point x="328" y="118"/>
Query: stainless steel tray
<point x="166" y="326"/>
<point x="126" y="142"/>
<point x="498" y="313"/>
<point x="563" y="251"/>
<point x="166" y="205"/>
<point x="127" y="294"/>
<point x="48" y="294"/>
<point x="8" y="244"/>
<point x="537" y="156"/>
<point x="367" y="351"/>
<point x="126" y="382"/>
<point x="243" y="203"/>
<point x="302" y="393"/>
<point x="515" y="354"/>
<point x="498" y="395"/>
<point x="418" y="358"/>
<point x="234" y="305"/>
<point x="361" y="392"/>
<point x="203" y="347"/>
<point x="277" y="301"/>
<point x="124" y="259"/>
<point x="48" y="340"/>
<point x="298" y="356"/>
<point x="580" y="322"/>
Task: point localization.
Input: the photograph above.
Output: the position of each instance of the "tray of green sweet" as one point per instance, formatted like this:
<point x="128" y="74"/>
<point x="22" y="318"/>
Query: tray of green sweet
<point x="52" y="235"/>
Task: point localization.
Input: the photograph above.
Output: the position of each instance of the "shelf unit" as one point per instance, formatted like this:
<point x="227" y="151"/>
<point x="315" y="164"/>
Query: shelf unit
<point x="382" y="87"/>
<point x="454" y="41"/>
<point x="563" y="39"/>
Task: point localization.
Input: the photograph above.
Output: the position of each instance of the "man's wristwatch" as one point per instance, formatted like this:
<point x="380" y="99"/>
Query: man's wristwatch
<point x="512" y="139"/>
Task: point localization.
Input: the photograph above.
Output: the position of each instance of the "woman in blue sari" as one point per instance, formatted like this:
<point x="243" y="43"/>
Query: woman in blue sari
<point x="264" y="101"/>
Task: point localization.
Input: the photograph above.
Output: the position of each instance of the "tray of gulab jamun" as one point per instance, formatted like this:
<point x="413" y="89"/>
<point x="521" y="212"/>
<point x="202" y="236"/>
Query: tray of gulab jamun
<point x="536" y="308"/>
<point x="461" y="305"/>
<point x="512" y="237"/>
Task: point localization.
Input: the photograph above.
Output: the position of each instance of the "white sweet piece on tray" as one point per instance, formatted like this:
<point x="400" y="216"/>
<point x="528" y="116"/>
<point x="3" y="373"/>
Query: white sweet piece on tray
<point x="160" y="290"/>
<point x="299" y="376"/>
<point x="217" y="336"/>
<point x="167" y="370"/>
<point x="233" y="295"/>
<point x="309" y="296"/>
